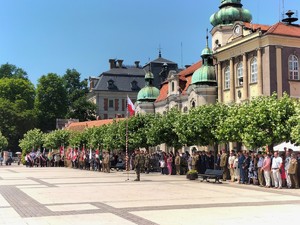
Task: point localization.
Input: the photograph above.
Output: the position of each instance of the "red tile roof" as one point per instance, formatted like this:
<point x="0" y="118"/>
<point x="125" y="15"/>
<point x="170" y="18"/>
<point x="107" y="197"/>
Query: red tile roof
<point x="163" y="92"/>
<point x="257" y="26"/>
<point x="185" y="77"/>
<point x="278" y="29"/>
<point x="190" y="70"/>
<point x="284" y="30"/>
<point x="80" y="126"/>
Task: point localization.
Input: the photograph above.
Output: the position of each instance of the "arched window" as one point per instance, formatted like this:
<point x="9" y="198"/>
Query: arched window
<point x="227" y="78"/>
<point x="293" y="68"/>
<point x="253" y="73"/>
<point x="239" y="74"/>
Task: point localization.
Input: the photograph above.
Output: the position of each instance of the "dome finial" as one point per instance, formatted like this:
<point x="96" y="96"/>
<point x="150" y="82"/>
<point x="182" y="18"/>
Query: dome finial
<point x="206" y="37"/>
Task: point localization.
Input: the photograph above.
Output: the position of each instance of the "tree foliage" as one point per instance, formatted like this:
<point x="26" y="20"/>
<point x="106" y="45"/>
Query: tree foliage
<point x="33" y="139"/>
<point x="78" y="105"/>
<point x="51" y="101"/>
<point x="17" y="114"/>
<point x="266" y="121"/>
<point x="3" y="142"/>
<point x="11" y="71"/>
<point x="56" y="138"/>
<point x="295" y="124"/>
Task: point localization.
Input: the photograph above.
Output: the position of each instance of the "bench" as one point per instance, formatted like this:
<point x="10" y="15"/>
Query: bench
<point x="211" y="174"/>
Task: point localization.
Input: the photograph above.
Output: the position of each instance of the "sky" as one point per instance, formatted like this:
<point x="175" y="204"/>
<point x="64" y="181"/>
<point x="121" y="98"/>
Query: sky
<point x="51" y="36"/>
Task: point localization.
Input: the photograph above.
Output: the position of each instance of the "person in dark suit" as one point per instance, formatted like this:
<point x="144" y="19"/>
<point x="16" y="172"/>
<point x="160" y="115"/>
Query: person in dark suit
<point x="241" y="158"/>
<point x="245" y="166"/>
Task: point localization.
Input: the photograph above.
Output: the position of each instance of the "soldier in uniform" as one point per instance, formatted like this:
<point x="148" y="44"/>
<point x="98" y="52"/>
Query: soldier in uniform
<point x="106" y="167"/>
<point x="194" y="160"/>
<point x="142" y="161"/>
<point x="137" y="164"/>
<point x="223" y="164"/>
<point x="147" y="162"/>
<point x="292" y="171"/>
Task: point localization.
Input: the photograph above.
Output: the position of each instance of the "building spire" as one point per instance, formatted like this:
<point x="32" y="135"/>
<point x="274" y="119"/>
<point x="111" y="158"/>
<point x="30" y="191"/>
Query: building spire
<point x="159" y="51"/>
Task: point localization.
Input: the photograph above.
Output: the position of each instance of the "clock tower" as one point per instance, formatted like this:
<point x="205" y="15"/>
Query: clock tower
<point x="223" y="21"/>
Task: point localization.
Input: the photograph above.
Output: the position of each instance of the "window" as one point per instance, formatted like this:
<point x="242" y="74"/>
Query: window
<point x="293" y="68"/>
<point x="134" y="85"/>
<point x="173" y="86"/>
<point x="253" y="70"/>
<point x="111" y="103"/>
<point x="111" y="84"/>
<point x="239" y="73"/>
<point x="227" y="78"/>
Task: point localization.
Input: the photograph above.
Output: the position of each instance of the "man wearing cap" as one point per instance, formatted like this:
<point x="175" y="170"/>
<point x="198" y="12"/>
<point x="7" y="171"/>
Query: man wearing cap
<point x="137" y="164"/>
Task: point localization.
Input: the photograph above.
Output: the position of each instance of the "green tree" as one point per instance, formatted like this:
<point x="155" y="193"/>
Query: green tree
<point x="17" y="114"/>
<point x="82" y="109"/>
<point x="33" y="139"/>
<point x="232" y="126"/>
<point x="96" y="136"/>
<point x="11" y="71"/>
<point x="267" y="121"/>
<point x="204" y="122"/>
<point x="3" y="142"/>
<point x="51" y="101"/>
<point x="163" y="130"/>
<point x="18" y="91"/>
<point x="295" y="124"/>
<point x="78" y="139"/>
<point x="138" y="130"/>
<point x="57" y="138"/>
<point x="78" y="106"/>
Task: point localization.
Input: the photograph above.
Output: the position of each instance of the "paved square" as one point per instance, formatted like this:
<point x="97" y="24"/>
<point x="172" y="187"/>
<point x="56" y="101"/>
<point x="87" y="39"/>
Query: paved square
<point x="68" y="196"/>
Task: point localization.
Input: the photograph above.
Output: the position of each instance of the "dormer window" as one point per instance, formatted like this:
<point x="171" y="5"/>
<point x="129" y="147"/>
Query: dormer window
<point x="110" y="84"/>
<point x="134" y="85"/>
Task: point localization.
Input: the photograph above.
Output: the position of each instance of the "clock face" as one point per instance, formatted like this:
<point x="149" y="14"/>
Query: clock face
<point x="237" y="30"/>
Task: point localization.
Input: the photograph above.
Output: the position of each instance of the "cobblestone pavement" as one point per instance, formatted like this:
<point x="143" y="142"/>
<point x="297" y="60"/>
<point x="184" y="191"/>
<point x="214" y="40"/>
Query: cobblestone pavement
<point x="68" y="196"/>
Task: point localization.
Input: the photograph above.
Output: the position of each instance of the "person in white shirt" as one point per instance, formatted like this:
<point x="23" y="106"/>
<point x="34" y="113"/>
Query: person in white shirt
<point x="231" y="159"/>
<point x="276" y="166"/>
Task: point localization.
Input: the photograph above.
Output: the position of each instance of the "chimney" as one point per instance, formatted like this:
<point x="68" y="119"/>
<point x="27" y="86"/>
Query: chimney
<point x="112" y="63"/>
<point x="137" y="64"/>
<point x="120" y="62"/>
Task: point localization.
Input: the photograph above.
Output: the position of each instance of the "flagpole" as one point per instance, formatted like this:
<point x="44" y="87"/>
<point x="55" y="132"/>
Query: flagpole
<point x="126" y="157"/>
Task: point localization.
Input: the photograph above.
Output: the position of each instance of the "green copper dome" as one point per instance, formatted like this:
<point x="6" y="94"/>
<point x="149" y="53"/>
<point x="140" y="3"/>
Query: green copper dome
<point x="230" y="12"/>
<point x="149" y="92"/>
<point x="206" y="51"/>
<point x="206" y="73"/>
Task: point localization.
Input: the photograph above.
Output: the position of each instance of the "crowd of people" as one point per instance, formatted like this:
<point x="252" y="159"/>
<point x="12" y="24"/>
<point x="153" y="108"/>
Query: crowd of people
<point x="244" y="167"/>
<point x="277" y="169"/>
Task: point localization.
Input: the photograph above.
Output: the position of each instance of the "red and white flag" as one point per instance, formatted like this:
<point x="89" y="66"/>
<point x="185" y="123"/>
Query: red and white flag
<point x="130" y="107"/>
<point x="62" y="150"/>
